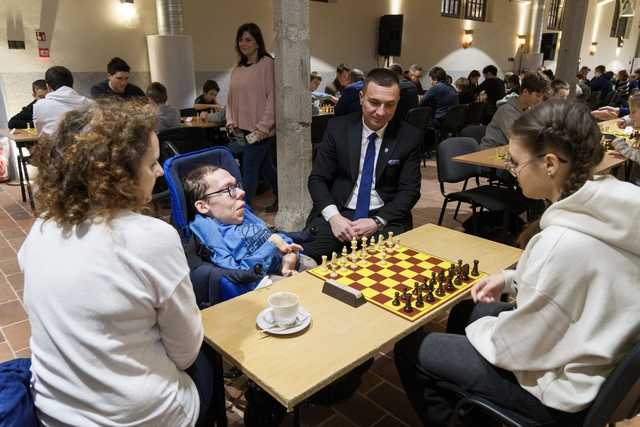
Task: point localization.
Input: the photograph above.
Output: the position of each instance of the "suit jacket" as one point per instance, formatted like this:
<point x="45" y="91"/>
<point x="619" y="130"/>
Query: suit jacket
<point x="349" y="102"/>
<point x="20" y="120"/>
<point x="397" y="170"/>
<point x="408" y="99"/>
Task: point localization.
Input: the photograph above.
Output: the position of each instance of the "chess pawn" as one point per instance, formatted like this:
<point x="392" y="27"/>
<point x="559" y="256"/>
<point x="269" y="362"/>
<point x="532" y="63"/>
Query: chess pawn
<point x="420" y="299"/>
<point x="458" y="280"/>
<point x="380" y="241"/>
<point x="363" y="243"/>
<point x="344" y="253"/>
<point x="475" y="271"/>
<point x="324" y="264"/>
<point x="383" y="258"/>
<point x="334" y="258"/>
<point x="390" y="239"/>
<point x="440" y="290"/>
<point x="430" y="298"/>
<point x="372" y="246"/>
<point x="334" y="273"/>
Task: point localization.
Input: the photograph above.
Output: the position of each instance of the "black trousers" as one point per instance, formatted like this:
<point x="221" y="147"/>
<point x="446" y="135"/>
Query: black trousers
<point x="324" y="242"/>
<point x="438" y="369"/>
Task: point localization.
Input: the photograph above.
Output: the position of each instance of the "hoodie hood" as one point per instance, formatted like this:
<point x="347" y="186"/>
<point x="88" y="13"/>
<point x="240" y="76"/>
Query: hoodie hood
<point x="604" y="208"/>
<point x="66" y="96"/>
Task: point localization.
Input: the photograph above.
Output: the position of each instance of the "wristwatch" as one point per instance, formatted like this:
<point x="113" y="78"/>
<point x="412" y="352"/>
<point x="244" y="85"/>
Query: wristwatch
<point x="378" y="222"/>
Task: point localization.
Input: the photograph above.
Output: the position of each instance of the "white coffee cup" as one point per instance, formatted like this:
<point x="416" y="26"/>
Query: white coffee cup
<point x="284" y="308"/>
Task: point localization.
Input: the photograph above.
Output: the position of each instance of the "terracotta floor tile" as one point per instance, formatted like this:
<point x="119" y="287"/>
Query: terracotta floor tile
<point x="7" y="252"/>
<point x="389" y="421"/>
<point x="16" y="281"/>
<point x="310" y="416"/>
<point x="6" y="291"/>
<point x="18" y="335"/>
<point x="13" y="233"/>
<point x="25" y="352"/>
<point x="360" y="410"/>
<point x="5" y="352"/>
<point x="396" y="402"/>
<point x="337" y="421"/>
<point x="369" y="381"/>
<point x="11" y="312"/>
<point x="385" y="368"/>
<point x="2" y="338"/>
<point x="16" y="243"/>
<point x="9" y="266"/>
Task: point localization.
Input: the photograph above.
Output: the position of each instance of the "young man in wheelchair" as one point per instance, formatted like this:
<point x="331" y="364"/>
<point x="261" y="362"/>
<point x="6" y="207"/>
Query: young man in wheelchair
<point x="235" y="237"/>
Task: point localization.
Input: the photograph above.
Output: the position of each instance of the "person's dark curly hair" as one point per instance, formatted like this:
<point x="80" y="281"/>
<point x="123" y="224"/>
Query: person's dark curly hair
<point x="88" y="167"/>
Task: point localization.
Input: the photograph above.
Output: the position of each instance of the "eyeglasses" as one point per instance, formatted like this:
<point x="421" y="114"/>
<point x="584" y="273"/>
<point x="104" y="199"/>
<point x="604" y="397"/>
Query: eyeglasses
<point x="231" y="191"/>
<point x="515" y="170"/>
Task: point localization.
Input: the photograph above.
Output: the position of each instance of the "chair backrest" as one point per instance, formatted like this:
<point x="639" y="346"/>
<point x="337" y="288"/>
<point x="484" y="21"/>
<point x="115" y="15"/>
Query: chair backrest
<point x="318" y="126"/>
<point x="178" y="167"/>
<point x="474" y="112"/>
<point x="419" y="117"/>
<point x="188" y="112"/>
<point x="450" y="170"/>
<point x="453" y="121"/>
<point x="473" y="131"/>
<point x="594" y="100"/>
<point x="619" y="396"/>
<point x="184" y="139"/>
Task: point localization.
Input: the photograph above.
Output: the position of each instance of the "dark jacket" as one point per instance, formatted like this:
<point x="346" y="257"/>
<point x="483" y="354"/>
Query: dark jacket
<point x="601" y="84"/>
<point x="397" y="171"/>
<point x="102" y="89"/>
<point x="408" y="99"/>
<point x="349" y="102"/>
<point x="20" y="120"/>
<point x="440" y="98"/>
<point x="494" y="88"/>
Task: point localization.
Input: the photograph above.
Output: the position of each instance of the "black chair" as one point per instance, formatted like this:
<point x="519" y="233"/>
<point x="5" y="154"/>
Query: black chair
<point x="473" y="131"/>
<point x="452" y="122"/>
<point x="188" y="112"/>
<point x="486" y="197"/>
<point x="318" y="126"/>
<point x="617" y="400"/>
<point x="421" y="117"/>
<point x="474" y="113"/>
<point x="24" y="159"/>
<point x="185" y="139"/>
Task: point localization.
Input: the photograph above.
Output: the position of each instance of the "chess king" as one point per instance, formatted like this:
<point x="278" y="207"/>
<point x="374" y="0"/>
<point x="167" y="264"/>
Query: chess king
<point x="366" y="175"/>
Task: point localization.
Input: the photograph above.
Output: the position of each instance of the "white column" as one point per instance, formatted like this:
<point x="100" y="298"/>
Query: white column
<point x="575" y="15"/>
<point x="293" y="111"/>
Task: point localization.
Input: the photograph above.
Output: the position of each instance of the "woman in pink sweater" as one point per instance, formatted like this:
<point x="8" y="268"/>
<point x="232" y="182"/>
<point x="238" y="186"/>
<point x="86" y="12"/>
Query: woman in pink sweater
<point x="250" y="108"/>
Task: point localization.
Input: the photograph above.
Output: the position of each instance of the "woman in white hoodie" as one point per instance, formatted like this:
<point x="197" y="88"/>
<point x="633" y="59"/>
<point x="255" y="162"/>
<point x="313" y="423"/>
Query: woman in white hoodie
<point x="576" y="286"/>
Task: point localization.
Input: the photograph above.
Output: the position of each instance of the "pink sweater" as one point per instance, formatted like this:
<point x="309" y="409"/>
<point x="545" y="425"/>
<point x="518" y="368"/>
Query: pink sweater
<point x="251" y="102"/>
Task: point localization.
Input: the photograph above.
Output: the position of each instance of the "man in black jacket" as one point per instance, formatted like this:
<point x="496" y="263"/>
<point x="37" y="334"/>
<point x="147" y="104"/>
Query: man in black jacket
<point x="117" y="83"/>
<point x="24" y="118"/>
<point x="366" y="175"/>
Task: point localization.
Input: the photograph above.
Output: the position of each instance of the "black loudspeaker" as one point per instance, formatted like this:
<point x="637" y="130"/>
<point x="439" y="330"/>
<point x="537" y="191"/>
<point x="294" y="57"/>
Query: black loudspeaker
<point x="548" y="46"/>
<point x="390" y="35"/>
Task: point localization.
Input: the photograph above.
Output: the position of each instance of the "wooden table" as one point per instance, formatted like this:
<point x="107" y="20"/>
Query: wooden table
<point x="19" y="135"/>
<point x="23" y="140"/>
<point x="340" y="337"/>
<point x="200" y="124"/>
<point x="492" y="158"/>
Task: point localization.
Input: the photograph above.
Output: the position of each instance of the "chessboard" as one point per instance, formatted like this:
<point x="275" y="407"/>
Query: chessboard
<point x="404" y="281"/>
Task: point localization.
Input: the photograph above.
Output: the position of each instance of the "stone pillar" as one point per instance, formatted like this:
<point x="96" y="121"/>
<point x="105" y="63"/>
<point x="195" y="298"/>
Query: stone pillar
<point x="537" y="26"/>
<point x="575" y="16"/>
<point x="293" y="111"/>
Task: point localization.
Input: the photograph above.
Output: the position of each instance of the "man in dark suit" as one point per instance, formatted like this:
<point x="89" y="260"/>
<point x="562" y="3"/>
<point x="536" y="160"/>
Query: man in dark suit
<point x="408" y="93"/>
<point x="349" y="102"/>
<point x="366" y="174"/>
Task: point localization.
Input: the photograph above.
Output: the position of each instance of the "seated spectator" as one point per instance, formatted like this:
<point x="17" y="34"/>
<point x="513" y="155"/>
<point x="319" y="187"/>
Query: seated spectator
<point x="549" y="74"/>
<point x="207" y="100"/>
<point x="408" y="93"/>
<point x="236" y="237"/>
<point x="466" y="94"/>
<point x="441" y="97"/>
<point x="584" y="70"/>
<point x="61" y="98"/>
<point x="601" y="83"/>
<point x="340" y="82"/>
<point x="116" y="335"/>
<point x="622" y="87"/>
<point x="117" y="83"/>
<point x="24" y="119"/>
<point x="621" y="145"/>
<point x="474" y="77"/>
<point x="168" y="116"/>
<point x="317" y="96"/>
<point x="559" y="89"/>
<point x="532" y="91"/>
<point x="634" y="80"/>
<point x="512" y="84"/>
<point x="583" y="91"/>
<point x="493" y="87"/>
<point x="349" y="102"/>
<point x="415" y="75"/>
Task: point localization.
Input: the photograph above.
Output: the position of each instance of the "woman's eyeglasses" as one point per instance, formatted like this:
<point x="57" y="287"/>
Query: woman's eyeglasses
<point x="515" y="170"/>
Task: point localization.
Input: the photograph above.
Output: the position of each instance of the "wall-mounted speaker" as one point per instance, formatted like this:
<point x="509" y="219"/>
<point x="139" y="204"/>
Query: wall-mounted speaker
<point x="390" y="35"/>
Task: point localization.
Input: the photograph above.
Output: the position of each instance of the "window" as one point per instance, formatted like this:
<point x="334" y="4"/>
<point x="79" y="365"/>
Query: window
<point x="619" y="25"/>
<point x="451" y="8"/>
<point x="556" y="13"/>
<point x="475" y="10"/>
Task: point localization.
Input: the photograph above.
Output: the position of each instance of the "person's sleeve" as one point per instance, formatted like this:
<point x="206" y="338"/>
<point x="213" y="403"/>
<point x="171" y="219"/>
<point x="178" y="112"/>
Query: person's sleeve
<point x="329" y="211"/>
<point x="429" y="99"/>
<point x="482" y="86"/>
<point x="324" y="170"/>
<point x="20" y="120"/>
<point x="509" y="282"/>
<point x="96" y="92"/>
<point x="408" y="189"/>
<point x="180" y="325"/>
<point x="342" y="106"/>
<point x="37" y="117"/>
<point x="137" y="91"/>
<point x="623" y="111"/>
<point x="230" y="102"/>
<point x="268" y="120"/>
<point x="493" y="136"/>
<point x="621" y="146"/>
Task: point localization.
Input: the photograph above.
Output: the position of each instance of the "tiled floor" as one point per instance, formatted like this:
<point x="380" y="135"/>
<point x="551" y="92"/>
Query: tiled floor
<point x="379" y="401"/>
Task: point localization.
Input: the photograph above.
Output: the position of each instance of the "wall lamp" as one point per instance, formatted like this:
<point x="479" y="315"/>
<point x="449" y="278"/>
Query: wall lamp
<point x="467" y="38"/>
<point x="593" y="48"/>
<point x="522" y="39"/>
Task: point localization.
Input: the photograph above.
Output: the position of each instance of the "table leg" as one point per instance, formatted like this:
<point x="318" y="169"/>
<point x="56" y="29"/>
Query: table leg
<point x="20" y="176"/>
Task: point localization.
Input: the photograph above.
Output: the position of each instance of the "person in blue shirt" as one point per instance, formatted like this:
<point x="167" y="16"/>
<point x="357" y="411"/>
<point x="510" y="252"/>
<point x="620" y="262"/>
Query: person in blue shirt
<point x="441" y="97"/>
<point x="235" y="236"/>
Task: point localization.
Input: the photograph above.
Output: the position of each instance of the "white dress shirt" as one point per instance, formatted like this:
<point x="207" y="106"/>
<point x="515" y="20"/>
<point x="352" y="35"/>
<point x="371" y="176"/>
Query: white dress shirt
<point x="376" y="201"/>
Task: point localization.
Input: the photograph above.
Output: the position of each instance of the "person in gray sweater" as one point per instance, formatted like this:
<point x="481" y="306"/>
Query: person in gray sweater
<point x="168" y="116"/>
<point x="532" y="90"/>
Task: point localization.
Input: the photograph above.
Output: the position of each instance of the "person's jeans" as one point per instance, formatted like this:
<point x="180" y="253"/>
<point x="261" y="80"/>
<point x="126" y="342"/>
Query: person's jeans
<point x="438" y="369"/>
<point x="202" y="372"/>
<point x="257" y="163"/>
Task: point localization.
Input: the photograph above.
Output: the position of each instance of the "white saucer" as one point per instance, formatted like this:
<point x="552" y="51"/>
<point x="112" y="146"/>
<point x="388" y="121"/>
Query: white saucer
<point x="264" y="321"/>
